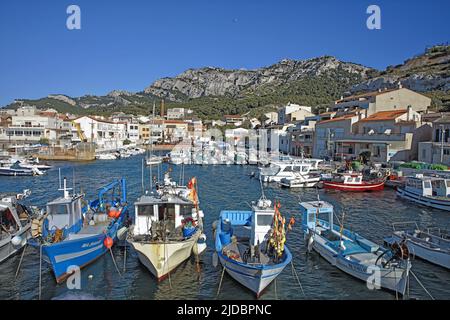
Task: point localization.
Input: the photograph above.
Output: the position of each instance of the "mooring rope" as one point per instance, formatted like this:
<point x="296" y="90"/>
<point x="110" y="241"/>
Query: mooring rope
<point x="125" y="257"/>
<point x="20" y="261"/>
<point x="294" y="273"/>
<point x="114" y="261"/>
<point x="221" y="278"/>
<point x="40" y="271"/>
<point x="420" y="283"/>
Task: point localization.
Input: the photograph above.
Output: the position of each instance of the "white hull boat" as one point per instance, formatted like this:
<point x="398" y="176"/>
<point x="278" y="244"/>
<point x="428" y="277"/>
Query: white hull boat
<point x="428" y="191"/>
<point x="431" y="247"/>
<point x="162" y="258"/>
<point x="168" y="227"/>
<point x="353" y="254"/>
<point x="15" y="225"/>
<point x="153" y="160"/>
<point x="300" y="181"/>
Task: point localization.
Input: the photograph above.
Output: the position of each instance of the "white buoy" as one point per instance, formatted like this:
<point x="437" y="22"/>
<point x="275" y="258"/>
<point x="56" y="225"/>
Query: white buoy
<point x="310" y="242"/>
<point x="122" y="233"/>
<point x="200" y="245"/>
<point x="215" y="259"/>
<point x="17" y="241"/>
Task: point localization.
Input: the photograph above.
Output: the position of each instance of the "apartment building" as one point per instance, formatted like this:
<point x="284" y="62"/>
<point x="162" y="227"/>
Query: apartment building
<point x="292" y="113"/>
<point x="107" y="135"/>
<point x="383" y="100"/>
<point x="178" y="113"/>
<point x="437" y="150"/>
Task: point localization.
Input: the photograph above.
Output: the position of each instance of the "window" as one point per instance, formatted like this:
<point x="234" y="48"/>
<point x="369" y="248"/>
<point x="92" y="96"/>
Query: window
<point x="427" y="184"/>
<point x="186" y="210"/>
<point x="358" y="180"/>
<point x="424" y="153"/>
<point x="7" y="221"/>
<point x="264" y="220"/>
<point x="167" y="211"/>
<point x="145" y="210"/>
<point x="446" y="152"/>
<point x="287" y="169"/>
<point x="57" y="209"/>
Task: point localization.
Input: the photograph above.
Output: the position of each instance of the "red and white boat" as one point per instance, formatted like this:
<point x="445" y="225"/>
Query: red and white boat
<point x="353" y="182"/>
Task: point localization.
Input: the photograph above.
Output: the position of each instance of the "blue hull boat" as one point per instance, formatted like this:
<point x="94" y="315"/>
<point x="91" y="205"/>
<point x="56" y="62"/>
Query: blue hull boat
<point x="95" y="231"/>
<point x="242" y="240"/>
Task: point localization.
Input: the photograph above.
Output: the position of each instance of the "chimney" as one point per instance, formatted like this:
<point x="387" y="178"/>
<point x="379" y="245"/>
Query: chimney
<point x="162" y="108"/>
<point x="408" y="113"/>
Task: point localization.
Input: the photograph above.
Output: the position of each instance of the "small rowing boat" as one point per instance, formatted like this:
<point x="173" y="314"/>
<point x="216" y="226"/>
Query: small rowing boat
<point x="353" y="254"/>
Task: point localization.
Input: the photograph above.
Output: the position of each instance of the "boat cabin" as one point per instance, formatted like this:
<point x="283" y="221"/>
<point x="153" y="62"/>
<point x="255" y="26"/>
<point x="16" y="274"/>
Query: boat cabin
<point x="66" y="214"/>
<point x="276" y="168"/>
<point x="313" y="211"/>
<point x="9" y="218"/>
<point x="351" y="178"/>
<point x="428" y="186"/>
<point x="261" y="221"/>
<point x="170" y="208"/>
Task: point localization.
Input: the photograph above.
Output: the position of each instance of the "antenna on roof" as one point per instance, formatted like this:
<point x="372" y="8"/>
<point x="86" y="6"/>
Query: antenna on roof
<point x="263" y="196"/>
<point x="59" y="175"/>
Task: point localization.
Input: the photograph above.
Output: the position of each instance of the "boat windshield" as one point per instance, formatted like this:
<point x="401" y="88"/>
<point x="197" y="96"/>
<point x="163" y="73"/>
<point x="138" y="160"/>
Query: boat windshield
<point x="58" y="209"/>
<point x="8" y="224"/>
<point x="145" y="210"/>
<point x="264" y="219"/>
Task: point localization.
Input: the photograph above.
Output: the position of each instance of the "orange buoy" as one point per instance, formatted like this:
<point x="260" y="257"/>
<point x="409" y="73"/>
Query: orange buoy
<point x="108" y="242"/>
<point x="113" y="213"/>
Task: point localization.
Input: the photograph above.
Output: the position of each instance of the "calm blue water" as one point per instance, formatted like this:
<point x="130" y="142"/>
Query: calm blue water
<point x="220" y="187"/>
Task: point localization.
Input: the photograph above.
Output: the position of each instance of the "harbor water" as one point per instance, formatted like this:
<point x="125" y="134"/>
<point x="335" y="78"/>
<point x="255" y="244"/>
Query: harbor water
<point x="220" y="187"/>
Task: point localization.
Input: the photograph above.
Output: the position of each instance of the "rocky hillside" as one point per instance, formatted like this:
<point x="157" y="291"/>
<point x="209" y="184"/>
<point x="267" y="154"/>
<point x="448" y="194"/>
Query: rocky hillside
<point x="212" y="92"/>
<point x="207" y="82"/>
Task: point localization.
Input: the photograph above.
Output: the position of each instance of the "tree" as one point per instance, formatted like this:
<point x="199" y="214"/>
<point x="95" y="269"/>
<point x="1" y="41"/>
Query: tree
<point x="44" y="141"/>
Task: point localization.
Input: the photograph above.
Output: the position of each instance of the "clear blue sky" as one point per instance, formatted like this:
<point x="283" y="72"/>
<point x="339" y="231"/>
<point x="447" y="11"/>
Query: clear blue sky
<point x="129" y="44"/>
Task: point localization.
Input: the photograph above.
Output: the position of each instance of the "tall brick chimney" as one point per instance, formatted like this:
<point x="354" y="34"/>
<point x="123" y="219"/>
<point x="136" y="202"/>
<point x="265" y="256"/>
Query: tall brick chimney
<point x="162" y="108"/>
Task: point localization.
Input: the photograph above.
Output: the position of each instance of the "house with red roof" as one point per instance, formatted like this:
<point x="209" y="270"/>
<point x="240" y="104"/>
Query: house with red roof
<point x="384" y="135"/>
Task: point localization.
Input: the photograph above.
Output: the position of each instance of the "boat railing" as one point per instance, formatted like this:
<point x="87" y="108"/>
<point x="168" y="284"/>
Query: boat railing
<point x="404" y="224"/>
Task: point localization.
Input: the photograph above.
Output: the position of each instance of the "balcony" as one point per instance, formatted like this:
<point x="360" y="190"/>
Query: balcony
<point x="376" y="137"/>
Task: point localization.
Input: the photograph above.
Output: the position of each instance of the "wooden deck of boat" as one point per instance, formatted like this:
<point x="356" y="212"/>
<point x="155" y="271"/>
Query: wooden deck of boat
<point x="240" y="248"/>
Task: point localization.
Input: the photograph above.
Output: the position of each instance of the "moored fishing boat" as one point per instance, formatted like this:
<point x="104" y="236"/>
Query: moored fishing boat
<point x="353" y="254"/>
<point x="251" y="245"/>
<point x="15" y="223"/>
<point x="430" y="245"/>
<point x="279" y="170"/>
<point x="168" y="227"/>
<point x="17" y="170"/>
<point x="74" y="234"/>
<point x="301" y="179"/>
<point x="153" y="160"/>
<point x="354" y="182"/>
<point x="428" y="191"/>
